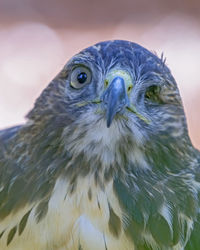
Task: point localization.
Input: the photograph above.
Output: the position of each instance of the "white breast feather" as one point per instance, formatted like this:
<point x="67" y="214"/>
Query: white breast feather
<point x="71" y="219"/>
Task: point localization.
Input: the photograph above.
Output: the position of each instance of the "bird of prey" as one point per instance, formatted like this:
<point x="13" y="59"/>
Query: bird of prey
<point x="104" y="161"/>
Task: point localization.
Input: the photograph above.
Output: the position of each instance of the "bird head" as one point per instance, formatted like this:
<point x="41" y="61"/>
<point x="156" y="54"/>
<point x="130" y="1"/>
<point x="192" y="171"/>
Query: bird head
<point x="111" y="93"/>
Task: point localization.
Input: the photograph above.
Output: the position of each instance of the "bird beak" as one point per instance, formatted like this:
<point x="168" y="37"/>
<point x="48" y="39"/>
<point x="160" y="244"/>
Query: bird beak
<point x="115" y="98"/>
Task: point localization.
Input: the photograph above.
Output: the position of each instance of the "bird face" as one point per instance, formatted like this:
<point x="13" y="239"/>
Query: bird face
<point x="115" y="97"/>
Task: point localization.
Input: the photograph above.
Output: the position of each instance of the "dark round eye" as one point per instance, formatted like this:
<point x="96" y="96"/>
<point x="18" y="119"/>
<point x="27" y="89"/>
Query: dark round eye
<point x="80" y="76"/>
<point x="153" y="94"/>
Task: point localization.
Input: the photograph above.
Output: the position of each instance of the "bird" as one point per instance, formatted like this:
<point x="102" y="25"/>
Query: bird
<point x="104" y="160"/>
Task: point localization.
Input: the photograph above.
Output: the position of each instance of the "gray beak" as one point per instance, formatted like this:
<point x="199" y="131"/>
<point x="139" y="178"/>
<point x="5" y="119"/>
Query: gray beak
<point x="115" y="98"/>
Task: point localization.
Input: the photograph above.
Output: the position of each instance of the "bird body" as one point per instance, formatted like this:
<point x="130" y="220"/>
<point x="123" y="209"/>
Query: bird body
<point x="104" y="160"/>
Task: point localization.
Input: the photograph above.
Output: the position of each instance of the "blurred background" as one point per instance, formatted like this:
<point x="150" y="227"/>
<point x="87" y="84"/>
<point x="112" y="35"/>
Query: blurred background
<point x="37" y="37"/>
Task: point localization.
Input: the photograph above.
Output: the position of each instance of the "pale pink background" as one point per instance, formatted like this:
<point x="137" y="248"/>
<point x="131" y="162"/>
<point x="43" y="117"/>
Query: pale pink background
<point x="37" y="37"/>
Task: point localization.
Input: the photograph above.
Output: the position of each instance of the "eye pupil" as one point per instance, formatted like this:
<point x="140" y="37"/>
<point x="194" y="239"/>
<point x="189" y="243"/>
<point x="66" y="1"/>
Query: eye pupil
<point x="82" y="77"/>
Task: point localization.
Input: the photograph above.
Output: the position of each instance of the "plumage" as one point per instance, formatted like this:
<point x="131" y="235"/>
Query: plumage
<point x="104" y="160"/>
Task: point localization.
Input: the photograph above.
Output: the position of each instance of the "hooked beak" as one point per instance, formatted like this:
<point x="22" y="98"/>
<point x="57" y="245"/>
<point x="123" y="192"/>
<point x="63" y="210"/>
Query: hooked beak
<point x="115" y="98"/>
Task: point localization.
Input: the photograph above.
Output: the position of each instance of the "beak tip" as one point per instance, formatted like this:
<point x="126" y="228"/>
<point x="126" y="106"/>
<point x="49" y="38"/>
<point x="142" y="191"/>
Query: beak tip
<point x="108" y="123"/>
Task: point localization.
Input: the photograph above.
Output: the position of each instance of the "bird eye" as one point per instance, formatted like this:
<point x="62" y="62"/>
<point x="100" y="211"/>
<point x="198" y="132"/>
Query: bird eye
<point x="152" y="94"/>
<point x="80" y="76"/>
